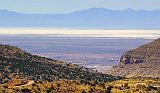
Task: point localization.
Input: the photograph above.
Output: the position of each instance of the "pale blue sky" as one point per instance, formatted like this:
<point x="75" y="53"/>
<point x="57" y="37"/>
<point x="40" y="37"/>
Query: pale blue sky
<point x="65" y="6"/>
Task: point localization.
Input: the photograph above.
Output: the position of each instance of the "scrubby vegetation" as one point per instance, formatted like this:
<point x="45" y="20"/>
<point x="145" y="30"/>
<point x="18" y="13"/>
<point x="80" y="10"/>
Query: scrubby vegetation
<point x="46" y="71"/>
<point x="15" y="62"/>
<point x="21" y="72"/>
<point x="131" y="85"/>
<point x="61" y="86"/>
<point x="143" y="61"/>
<point x="136" y="85"/>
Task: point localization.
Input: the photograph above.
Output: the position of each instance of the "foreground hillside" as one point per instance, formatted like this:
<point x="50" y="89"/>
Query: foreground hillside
<point x="143" y="61"/>
<point x="21" y="72"/>
<point x="131" y="85"/>
<point x="16" y="63"/>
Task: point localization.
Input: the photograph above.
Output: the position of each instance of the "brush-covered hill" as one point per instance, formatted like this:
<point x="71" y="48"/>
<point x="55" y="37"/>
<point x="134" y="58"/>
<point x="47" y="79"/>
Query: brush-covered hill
<point x="143" y="61"/>
<point x="16" y="63"/>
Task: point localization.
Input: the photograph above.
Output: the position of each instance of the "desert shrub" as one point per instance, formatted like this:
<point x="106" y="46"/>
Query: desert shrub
<point x="103" y="85"/>
<point x="141" y="86"/>
<point x="126" y="86"/>
<point x="58" y="84"/>
<point x="83" y="91"/>
<point x="25" y="90"/>
<point x="33" y="84"/>
<point x="150" y="87"/>
<point x="49" y="90"/>
<point x="87" y="82"/>
<point x="91" y="90"/>
<point x="5" y="86"/>
<point x="82" y="81"/>
<point x="108" y="90"/>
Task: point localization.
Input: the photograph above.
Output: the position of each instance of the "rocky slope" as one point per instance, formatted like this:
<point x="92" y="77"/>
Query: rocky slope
<point x="143" y="61"/>
<point x="16" y="63"/>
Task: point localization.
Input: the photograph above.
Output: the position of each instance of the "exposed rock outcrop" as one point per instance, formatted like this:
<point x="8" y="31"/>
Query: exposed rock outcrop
<point x="143" y="61"/>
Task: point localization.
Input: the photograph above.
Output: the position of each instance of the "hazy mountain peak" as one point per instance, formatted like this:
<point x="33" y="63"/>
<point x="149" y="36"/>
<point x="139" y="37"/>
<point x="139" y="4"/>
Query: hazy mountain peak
<point x="3" y="10"/>
<point x="88" y="18"/>
<point x="98" y="8"/>
<point x="129" y="9"/>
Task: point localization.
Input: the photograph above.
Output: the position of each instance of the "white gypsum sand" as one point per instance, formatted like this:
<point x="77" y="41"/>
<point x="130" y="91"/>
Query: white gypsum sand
<point x="85" y="33"/>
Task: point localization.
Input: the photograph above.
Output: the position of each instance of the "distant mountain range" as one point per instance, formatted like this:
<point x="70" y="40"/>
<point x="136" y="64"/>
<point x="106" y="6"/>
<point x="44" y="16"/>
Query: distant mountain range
<point x="89" y="18"/>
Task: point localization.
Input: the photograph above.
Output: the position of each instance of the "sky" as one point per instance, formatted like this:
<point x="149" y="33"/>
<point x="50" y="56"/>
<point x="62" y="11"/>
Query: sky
<point x="67" y="6"/>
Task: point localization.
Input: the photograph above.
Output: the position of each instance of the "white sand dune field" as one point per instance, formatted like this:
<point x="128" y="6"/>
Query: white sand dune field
<point x="84" y="32"/>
